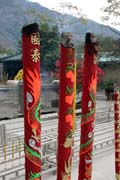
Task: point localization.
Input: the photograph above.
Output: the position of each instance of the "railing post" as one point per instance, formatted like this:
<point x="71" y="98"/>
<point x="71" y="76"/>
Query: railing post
<point x="2" y="134"/>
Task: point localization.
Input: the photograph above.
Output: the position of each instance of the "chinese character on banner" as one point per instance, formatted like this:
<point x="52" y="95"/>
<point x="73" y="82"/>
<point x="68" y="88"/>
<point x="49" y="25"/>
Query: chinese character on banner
<point x="35" y="39"/>
<point x="35" y="55"/>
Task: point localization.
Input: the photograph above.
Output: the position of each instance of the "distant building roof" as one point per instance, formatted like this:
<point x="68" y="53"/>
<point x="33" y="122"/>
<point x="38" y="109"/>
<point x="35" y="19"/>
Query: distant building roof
<point x="16" y="57"/>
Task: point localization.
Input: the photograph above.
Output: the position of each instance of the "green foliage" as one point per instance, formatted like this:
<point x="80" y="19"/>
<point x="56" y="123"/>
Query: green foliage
<point x="106" y="43"/>
<point x="110" y="83"/>
<point x="116" y="48"/>
<point x="5" y="51"/>
<point x="109" y="46"/>
<point x="49" y="46"/>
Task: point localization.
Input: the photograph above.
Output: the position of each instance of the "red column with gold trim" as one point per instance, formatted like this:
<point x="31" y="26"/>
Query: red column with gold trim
<point x="66" y="108"/>
<point x="117" y="130"/>
<point x="32" y="87"/>
<point x="88" y="107"/>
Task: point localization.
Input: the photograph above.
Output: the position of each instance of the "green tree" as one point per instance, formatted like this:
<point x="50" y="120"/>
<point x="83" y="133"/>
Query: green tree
<point x="106" y="43"/>
<point x="5" y="51"/>
<point x="109" y="45"/>
<point x="49" y="46"/>
<point x="116" y="48"/>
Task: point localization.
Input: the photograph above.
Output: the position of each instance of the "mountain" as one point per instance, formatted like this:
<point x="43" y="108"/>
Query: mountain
<point x="16" y="13"/>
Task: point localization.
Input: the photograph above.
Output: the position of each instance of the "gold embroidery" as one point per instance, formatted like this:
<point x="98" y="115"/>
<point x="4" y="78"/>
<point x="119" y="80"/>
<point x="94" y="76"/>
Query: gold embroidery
<point x="117" y="122"/>
<point x="35" y="55"/>
<point x="35" y="39"/>
<point x="68" y="140"/>
<point x="117" y="159"/>
<point x="116" y="111"/>
<point x="117" y="150"/>
<point x="118" y="176"/>
<point x="116" y="102"/>
<point x="117" y="131"/>
<point x="117" y="140"/>
<point x="37" y="138"/>
<point x="66" y="174"/>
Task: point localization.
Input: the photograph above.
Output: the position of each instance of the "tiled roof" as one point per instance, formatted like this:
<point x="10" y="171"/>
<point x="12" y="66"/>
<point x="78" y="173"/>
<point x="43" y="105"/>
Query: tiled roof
<point x="16" y="57"/>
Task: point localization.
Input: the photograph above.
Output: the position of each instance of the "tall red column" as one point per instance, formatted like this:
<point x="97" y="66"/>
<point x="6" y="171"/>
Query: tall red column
<point x="88" y="107"/>
<point x="66" y="108"/>
<point x="117" y="130"/>
<point x="32" y="87"/>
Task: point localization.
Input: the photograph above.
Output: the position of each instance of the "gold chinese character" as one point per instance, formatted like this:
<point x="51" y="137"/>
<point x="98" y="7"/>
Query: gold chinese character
<point x="35" y="55"/>
<point x="35" y="39"/>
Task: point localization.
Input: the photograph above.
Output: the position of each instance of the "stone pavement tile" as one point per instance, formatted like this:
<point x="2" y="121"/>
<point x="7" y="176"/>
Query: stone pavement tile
<point x="103" y="168"/>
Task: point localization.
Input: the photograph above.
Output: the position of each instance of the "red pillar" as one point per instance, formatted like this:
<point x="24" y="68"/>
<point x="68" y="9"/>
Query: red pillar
<point x="88" y="107"/>
<point x="32" y="86"/>
<point x="66" y="108"/>
<point x="117" y="131"/>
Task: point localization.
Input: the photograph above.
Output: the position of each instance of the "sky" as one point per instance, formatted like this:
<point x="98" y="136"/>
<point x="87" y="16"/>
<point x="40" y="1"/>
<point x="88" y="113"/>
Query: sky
<point x="89" y="7"/>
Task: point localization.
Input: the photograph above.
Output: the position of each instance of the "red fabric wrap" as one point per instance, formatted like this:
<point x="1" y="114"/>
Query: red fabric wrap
<point x="88" y="111"/>
<point x="117" y="132"/>
<point x="65" y="125"/>
<point x="116" y="95"/>
<point x="31" y="84"/>
<point x="116" y="107"/>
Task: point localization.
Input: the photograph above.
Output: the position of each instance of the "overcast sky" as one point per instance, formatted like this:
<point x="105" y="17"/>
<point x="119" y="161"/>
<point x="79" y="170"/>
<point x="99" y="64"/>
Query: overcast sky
<point x="89" y="7"/>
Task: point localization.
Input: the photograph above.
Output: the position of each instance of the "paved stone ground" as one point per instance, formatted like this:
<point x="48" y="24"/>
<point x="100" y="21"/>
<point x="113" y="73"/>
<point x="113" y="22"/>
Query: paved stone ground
<point x="103" y="168"/>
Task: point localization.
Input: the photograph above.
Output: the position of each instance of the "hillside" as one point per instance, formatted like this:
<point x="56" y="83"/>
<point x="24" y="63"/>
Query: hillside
<point x="16" y="13"/>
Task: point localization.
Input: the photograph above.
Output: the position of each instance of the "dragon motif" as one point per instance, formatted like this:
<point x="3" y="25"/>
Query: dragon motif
<point x="33" y="151"/>
<point x="33" y="102"/>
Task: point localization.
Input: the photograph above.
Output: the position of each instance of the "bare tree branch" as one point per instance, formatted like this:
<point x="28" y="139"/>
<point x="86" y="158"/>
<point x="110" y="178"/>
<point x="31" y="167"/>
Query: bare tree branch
<point x="112" y="11"/>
